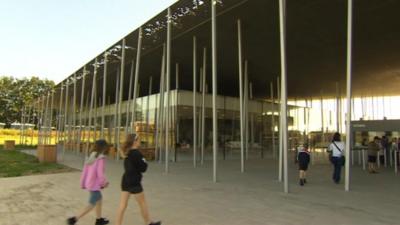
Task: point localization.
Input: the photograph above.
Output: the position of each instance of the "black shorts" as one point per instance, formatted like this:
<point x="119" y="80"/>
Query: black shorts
<point x="303" y="166"/>
<point x="372" y="159"/>
<point x="135" y="189"/>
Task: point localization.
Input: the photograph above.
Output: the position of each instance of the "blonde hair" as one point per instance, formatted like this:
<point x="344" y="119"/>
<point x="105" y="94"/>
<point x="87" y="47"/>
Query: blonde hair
<point x="126" y="146"/>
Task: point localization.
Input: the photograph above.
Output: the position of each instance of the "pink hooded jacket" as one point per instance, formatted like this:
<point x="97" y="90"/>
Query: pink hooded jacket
<point x="93" y="178"/>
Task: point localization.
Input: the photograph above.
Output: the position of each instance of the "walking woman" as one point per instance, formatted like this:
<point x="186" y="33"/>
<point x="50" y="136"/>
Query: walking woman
<point x="336" y="149"/>
<point x="134" y="165"/>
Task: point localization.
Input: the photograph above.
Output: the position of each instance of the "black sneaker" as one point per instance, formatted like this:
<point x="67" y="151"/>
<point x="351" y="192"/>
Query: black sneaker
<point x="102" y="221"/>
<point x="155" y="223"/>
<point x="71" y="221"/>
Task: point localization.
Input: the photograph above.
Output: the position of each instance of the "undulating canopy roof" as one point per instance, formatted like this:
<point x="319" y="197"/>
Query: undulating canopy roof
<point x="316" y="47"/>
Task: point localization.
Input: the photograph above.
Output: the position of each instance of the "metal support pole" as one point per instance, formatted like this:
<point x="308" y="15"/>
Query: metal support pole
<point x="21" y="128"/>
<point x="104" y="95"/>
<point x="280" y="156"/>
<point x="117" y="85"/>
<point x="74" y="114"/>
<point x="194" y="102"/>
<point x="128" y="105"/>
<point x="282" y="20"/>
<point x="337" y="107"/>
<point x="121" y="92"/>
<point x="200" y="109"/>
<point x="135" y="84"/>
<point x="214" y="85"/>
<point x="65" y="116"/>
<point x="91" y="106"/>
<point x="45" y="122"/>
<point x="203" y="86"/>
<point x="240" y="63"/>
<point x="60" y="115"/>
<point x="273" y="120"/>
<point x="42" y="121"/>
<point x="251" y="117"/>
<point x="148" y="110"/>
<point x="168" y="74"/>
<point x="51" y="114"/>
<point x="348" y="89"/>
<point x="81" y="108"/>
<point x="28" y="120"/>
<point x="246" y="109"/>
<point x="322" y="119"/>
<point x="159" y="127"/>
<point x="176" y="118"/>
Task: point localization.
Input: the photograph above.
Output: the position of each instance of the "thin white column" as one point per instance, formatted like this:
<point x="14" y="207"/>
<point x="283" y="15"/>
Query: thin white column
<point x="46" y="121"/>
<point x="337" y="107"/>
<point x="74" y="115"/>
<point x="65" y="115"/>
<point x="116" y="108"/>
<point x="91" y="106"/>
<point x="273" y="120"/>
<point x="21" y="128"/>
<point x="214" y="85"/>
<point x="60" y="115"/>
<point x="194" y="102"/>
<point x="203" y="86"/>
<point x="246" y="110"/>
<point x="104" y="94"/>
<point x="159" y="127"/>
<point x="168" y="74"/>
<point x="128" y="105"/>
<point x="51" y="115"/>
<point x="121" y="92"/>
<point x="280" y="156"/>
<point x="282" y="20"/>
<point x="251" y="117"/>
<point x="135" y="83"/>
<point x="200" y="108"/>
<point x="322" y="118"/>
<point x="82" y="106"/>
<point x="148" y="110"/>
<point x="240" y="63"/>
<point x="176" y="118"/>
<point x="348" y="90"/>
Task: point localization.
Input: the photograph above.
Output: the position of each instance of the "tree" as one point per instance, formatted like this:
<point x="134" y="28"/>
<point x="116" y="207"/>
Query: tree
<point x="15" y="94"/>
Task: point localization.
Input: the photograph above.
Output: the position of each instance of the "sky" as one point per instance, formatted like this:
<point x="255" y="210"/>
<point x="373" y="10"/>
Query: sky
<point x="53" y="38"/>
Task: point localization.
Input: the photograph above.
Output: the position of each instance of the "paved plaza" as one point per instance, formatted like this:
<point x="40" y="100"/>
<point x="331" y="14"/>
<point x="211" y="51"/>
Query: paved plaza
<point x="188" y="196"/>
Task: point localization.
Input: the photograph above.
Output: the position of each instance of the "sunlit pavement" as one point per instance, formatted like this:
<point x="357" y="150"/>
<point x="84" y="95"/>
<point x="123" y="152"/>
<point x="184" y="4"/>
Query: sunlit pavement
<point x="188" y="196"/>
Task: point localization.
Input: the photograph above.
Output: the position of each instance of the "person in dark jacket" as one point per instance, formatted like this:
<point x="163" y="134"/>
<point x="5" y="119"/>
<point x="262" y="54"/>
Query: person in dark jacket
<point x="303" y="158"/>
<point x="134" y="165"/>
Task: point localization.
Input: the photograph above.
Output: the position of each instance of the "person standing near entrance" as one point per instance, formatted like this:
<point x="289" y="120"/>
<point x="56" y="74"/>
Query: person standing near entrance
<point x="337" y="150"/>
<point x="373" y="149"/>
<point x="134" y="165"/>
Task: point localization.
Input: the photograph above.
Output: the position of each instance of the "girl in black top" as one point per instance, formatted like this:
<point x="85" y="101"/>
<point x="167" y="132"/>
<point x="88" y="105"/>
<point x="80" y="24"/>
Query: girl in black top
<point x="134" y="165"/>
<point x="303" y="158"/>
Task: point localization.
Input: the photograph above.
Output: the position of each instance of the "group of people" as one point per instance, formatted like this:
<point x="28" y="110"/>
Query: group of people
<point x="336" y="150"/>
<point x="93" y="180"/>
<point x="383" y="148"/>
<point x="336" y="156"/>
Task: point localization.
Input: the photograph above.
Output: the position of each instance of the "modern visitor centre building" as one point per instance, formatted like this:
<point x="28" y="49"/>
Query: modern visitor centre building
<point x="212" y="80"/>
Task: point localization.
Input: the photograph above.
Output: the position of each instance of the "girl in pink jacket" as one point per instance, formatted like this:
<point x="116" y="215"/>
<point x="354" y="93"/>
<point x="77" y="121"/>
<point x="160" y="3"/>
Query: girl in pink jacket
<point x="93" y="180"/>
